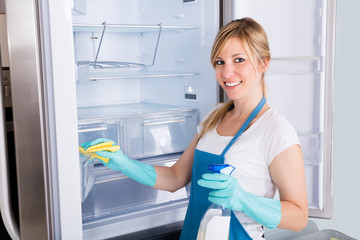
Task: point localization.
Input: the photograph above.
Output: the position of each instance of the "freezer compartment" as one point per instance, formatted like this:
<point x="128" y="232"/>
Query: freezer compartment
<point x="116" y="194"/>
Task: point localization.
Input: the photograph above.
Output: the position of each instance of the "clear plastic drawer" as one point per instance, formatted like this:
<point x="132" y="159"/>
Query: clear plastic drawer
<point x="153" y="136"/>
<point x="89" y="131"/>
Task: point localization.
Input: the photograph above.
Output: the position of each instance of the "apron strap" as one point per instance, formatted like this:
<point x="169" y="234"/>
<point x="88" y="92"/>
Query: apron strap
<point x="245" y="125"/>
<point x="237" y="231"/>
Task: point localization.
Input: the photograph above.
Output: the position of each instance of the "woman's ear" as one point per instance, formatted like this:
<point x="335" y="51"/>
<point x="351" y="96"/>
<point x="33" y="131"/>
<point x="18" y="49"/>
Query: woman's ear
<point x="264" y="65"/>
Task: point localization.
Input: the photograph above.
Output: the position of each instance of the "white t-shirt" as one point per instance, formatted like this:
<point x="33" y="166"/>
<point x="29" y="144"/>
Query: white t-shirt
<point x="251" y="155"/>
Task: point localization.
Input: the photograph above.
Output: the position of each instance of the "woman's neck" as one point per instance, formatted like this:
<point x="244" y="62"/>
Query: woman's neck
<point x="243" y="107"/>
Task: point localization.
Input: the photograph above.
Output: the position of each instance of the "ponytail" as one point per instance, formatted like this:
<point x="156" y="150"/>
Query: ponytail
<point x="214" y="117"/>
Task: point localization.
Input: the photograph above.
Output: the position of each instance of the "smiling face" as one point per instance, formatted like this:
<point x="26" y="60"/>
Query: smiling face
<point x="236" y="73"/>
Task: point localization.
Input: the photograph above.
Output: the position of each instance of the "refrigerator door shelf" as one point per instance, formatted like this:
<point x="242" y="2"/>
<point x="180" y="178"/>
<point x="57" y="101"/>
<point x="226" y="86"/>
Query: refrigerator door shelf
<point x="296" y="65"/>
<point x="310" y="145"/>
<point x="314" y="187"/>
<point x="79" y="7"/>
<point x="107" y="197"/>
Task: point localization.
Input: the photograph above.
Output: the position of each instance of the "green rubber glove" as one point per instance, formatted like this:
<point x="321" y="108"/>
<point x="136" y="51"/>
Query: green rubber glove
<point x="140" y="172"/>
<point x="228" y="193"/>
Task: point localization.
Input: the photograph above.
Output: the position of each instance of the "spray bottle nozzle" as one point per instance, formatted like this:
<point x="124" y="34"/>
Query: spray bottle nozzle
<point x="221" y="168"/>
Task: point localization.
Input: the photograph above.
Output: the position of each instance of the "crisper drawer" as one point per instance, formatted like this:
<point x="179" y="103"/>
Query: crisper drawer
<point x="153" y="136"/>
<point x="89" y="131"/>
<point x="115" y="194"/>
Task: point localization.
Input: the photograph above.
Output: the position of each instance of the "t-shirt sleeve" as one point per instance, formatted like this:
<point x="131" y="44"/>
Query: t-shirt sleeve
<point x="280" y="136"/>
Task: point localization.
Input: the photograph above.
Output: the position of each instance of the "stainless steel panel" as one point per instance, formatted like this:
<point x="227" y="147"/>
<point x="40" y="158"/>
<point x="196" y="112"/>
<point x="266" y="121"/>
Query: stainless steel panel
<point x="29" y="124"/>
<point x="5" y="193"/>
<point x="2" y="6"/>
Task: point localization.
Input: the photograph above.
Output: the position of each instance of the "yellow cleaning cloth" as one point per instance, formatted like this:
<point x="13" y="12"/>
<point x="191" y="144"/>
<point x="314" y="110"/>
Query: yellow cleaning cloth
<point x="105" y="146"/>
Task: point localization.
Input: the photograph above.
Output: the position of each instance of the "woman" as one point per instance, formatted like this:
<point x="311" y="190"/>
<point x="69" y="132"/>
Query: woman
<point x="245" y="133"/>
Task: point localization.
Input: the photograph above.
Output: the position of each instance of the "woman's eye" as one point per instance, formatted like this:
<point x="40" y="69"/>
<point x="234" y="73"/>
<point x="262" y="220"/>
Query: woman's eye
<point x="239" y="60"/>
<point x="219" y="62"/>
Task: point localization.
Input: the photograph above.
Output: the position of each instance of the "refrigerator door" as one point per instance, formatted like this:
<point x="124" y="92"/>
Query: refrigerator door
<point x="7" y="215"/>
<point x="44" y="116"/>
<point x="300" y="81"/>
<point x="45" y="105"/>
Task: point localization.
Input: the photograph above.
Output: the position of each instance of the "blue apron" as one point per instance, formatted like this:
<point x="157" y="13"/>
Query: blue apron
<point x="198" y="202"/>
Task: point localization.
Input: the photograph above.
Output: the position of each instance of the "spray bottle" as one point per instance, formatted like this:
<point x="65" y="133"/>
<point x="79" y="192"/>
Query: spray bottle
<point x="215" y="223"/>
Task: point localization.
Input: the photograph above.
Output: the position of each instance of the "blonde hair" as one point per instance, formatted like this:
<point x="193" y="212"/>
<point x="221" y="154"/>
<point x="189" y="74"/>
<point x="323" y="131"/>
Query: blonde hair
<point x="255" y="42"/>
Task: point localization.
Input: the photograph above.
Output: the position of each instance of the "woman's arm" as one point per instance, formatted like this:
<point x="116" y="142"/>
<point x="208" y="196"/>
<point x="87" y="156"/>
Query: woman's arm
<point x="177" y="176"/>
<point x="288" y="173"/>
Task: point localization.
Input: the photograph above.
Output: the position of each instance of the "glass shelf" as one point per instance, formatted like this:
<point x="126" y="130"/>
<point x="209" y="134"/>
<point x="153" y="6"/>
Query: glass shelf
<point x="140" y="74"/>
<point x="127" y="110"/>
<point x="127" y="28"/>
<point x="84" y="74"/>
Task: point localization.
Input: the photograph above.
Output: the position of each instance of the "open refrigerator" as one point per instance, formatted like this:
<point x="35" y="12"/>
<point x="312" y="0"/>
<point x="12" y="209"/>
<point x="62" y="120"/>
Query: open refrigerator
<point x="139" y="73"/>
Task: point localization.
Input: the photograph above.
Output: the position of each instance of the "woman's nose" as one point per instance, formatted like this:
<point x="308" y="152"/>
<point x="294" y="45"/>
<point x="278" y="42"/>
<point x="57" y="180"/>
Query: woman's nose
<point x="228" y="70"/>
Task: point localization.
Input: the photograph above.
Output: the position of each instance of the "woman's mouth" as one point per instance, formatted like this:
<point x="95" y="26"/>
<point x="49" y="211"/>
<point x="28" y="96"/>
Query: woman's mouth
<point x="232" y="84"/>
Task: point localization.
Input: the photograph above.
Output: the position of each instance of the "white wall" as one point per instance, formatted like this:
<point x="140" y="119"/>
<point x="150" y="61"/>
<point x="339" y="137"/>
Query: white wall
<point x="346" y="161"/>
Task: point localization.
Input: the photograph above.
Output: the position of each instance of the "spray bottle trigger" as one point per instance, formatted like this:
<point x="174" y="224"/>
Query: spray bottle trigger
<point x="221" y="168"/>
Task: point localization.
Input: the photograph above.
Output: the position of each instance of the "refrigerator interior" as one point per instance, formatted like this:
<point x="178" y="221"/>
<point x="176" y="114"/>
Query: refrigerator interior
<point x="144" y="80"/>
<point x="298" y="83"/>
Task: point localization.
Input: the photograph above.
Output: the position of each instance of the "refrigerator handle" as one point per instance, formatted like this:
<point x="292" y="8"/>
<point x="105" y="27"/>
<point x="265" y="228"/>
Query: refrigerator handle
<point x="5" y="200"/>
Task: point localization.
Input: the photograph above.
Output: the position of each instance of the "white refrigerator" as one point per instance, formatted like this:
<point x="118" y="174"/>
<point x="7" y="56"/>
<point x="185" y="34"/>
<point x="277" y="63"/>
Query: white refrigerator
<point x="139" y="72"/>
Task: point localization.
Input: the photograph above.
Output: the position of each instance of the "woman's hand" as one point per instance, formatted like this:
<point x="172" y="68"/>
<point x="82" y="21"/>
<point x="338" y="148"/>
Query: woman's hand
<point x="228" y="193"/>
<point x="118" y="161"/>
